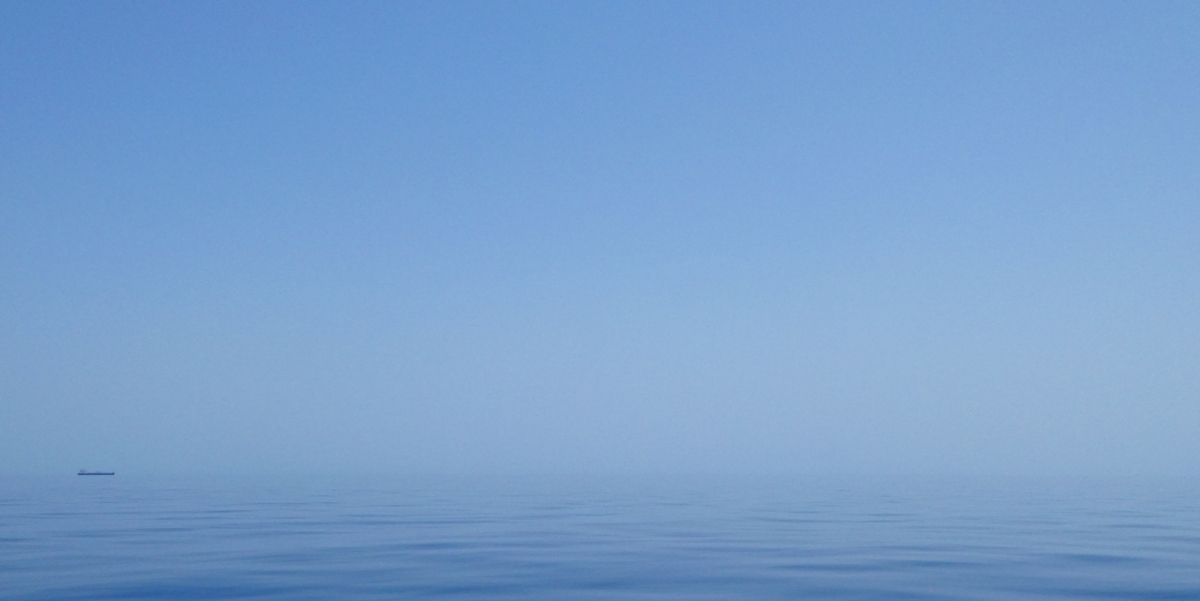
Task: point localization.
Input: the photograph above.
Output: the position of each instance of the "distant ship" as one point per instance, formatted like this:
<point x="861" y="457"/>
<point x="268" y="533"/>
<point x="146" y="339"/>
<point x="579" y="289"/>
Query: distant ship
<point x="87" y="473"/>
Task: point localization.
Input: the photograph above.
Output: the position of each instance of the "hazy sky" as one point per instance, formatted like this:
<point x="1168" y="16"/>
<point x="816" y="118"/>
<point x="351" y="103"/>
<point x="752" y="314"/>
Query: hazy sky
<point x="611" y="237"/>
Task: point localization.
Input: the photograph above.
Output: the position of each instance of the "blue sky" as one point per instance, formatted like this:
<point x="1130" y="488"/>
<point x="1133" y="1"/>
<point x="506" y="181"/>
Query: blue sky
<point x="600" y="237"/>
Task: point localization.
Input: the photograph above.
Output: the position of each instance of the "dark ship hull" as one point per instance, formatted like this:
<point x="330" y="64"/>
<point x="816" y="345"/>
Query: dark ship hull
<point x="82" y="473"/>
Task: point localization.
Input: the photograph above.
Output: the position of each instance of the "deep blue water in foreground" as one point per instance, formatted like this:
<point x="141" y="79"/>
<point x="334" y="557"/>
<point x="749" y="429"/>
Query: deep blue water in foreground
<point x="127" y="537"/>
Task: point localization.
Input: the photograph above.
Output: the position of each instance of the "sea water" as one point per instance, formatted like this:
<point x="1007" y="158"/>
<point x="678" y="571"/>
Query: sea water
<point x="130" y="537"/>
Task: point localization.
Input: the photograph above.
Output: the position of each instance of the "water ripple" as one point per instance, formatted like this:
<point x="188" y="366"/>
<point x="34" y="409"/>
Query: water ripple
<point x="690" y="539"/>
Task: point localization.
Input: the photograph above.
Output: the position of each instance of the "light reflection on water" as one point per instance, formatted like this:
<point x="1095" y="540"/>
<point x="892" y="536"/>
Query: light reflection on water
<point x="130" y="537"/>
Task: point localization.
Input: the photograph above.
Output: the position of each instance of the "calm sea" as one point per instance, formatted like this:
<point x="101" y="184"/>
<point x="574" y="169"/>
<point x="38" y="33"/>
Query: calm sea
<point x="128" y="537"/>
